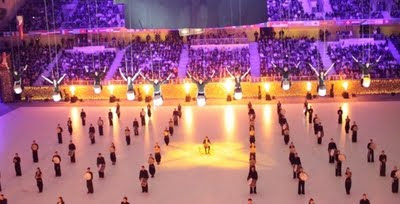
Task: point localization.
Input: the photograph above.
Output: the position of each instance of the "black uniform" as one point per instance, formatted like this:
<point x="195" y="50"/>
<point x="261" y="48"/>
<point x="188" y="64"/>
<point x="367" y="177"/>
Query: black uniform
<point x="297" y="162"/>
<point x="35" y="154"/>
<point x="57" y="167"/>
<point x="253" y="175"/>
<point x="382" y="169"/>
<point x="71" y="153"/>
<point x="320" y="131"/>
<point x="310" y="114"/>
<point x="354" y="133"/>
<point x="69" y="125"/>
<point x="110" y="118"/>
<point x="301" y="185"/>
<point x="39" y="181"/>
<point x="142" y="118"/>
<point x="118" y="111"/>
<point x="59" y="135"/>
<point x="338" y="169"/>
<point x="395" y="182"/>
<point x="83" y="118"/>
<point x="347" y="183"/>
<point x="347" y="126"/>
<point x="128" y="137"/>
<point x="331" y="146"/>
<point x="92" y="132"/>
<point x="17" y="166"/>
<point x="370" y="155"/>
<point x="89" y="183"/>
<point x="340" y="116"/>
<point x="113" y="157"/>
<point x="101" y="162"/>
<point x="136" y="127"/>
<point x="143" y="176"/>
<point x="100" y="124"/>
<point x="366" y="201"/>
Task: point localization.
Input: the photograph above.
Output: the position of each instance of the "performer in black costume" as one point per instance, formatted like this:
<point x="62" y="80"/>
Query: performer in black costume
<point x="338" y="169"/>
<point x="143" y="177"/>
<point x="365" y="71"/>
<point x="136" y="127"/>
<point x="57" y="164"/>
<point x="382" y="168"/>
<point x="89" y="182"/>
<point x="113" y="156"/>
<point x="71" y="151"/>
<point x="310" y="114"/>
<point x="149" y="110"/>
<point x="305" y="107"/>
<point x="347" y="182"/>
<point x="320" y="133"/>
<point x="332" y="148"/>
<point x="17" y="165"/>
<point x="39" y="180"/>
<point x="364" y="199"/>
<point x="100" y="124"/>
<point x="35" y="155"/>
<point x="118" y="110"/>
<point x="157" y="96"/>
<point x="370" y="155"/>
<point x="83" y="117"/>
<point x="302" y="183"/>
<point x="166" y="136"/>
<point x="238" y="80"/>
<point x="101" y="164"/>
<point x="3" y="200"/>
<point x="59" y="133"/>
<point x="395" y="182"/>
<point x="285" y="72"/>
<point x="97" y="77"/>
<point x="92" y="132"/>
<point x="110" y="117"/>
<point x="152" y="168"/>
<point x="125" y="201"/>
<point x="340" y="115"/>
<point x="354" y="130"/>
<point x="253" y="175"/>
<point x="206" y="144"/>
<point x="69" y="125"/>
<point x="201" y="84"/>
<point x="171" y="126"/>
<point x="142" y="117"/>
<point x="347" y="125"/>
<point x="17" y="76"/>
<point x="157" y="153"/>
<point x="128" y="136"/>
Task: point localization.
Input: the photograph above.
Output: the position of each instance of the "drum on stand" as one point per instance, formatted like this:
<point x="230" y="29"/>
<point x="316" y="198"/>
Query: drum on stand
<point x="70" y="153"/>
<point x="97" y="89"/>
<point x="397" y="174"/>
<point x="56" y="96"/>
<point x="35" y="147"/>
<point x="201" y="100"/>
<point x="158" y="101"/>
<point x="342" y="157"/>
<point x="303" y="176"/>
<point x="373" y="146"/>
<point x="87" y="176"/>
<point x="112" y="149"/>
<point x="56" y="160"/>
<point x="285" y="84"/>
<point x="130" y="95"/>
<point x="238" y="94"/>
<point x="17" y="88"/>
<point x="366" y="81"/>
<point x="322" y="90"/>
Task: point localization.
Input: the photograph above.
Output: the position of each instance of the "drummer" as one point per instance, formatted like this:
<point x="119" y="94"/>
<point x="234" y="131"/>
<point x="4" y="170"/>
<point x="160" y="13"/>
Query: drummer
<point x="35" y="148"/>
<point x="101" y="164"/>
<point x="238" y="79"/>
<point x="71" y="151"/>
<point x="57" y="166"/>
<point x="201" y="84"/>
<point x="395" y="174"/>
<point x="331" y="151"/>
<point x="89" y="181"/>
<point x="382" y="159"/>
<point x="302" y="176"/>
<point x="206" y="144"/>
<point x="338" y="169"/>
<point x="347" y="182"/>
<point x="370" y="147"/>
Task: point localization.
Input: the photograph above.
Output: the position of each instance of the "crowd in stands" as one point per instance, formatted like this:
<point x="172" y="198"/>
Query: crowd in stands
<point x="288" y="52"/>
<point x="387" y="67"/>
<point x="352" y="9"/>
<point x="82" y="41"/>
<point x="97" y="14"/>
<point x="156" y="58"/>
<point x="204" y="61"/>
<point x="281" y="10"/>
<point x="74" y="64"/>
<point x="395" y="10"/>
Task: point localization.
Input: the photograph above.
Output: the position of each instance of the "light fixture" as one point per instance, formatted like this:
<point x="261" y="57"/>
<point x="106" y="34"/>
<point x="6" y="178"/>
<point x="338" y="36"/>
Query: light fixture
<point x="309" y="86"/>
<point x="267" y="87"/>
<point x="228" y="86"/>
<point x="345" y="94"/>
<point x="146" y="89"/>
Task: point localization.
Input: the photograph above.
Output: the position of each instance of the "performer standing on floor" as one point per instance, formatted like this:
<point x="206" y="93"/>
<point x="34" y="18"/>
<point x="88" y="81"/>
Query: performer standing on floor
<point x="57" y="164"/>
<point x="252" y="178"/>
<point x="89" y="181"/>
<point x="142" y="117"/>
<point x="125" y="201"/>
<point x="156" y="86"/>
<point x="60" y="200"/>
<point x="3" y="200"/>
<point x="370" y="147"/>
<point x="110" y="117"/>
<point x="175" y="115"/>
<point x="382" y="159"/>
<point x="59" y="133"/>
<point x="296" y="165"/>
<point x="302" y="183"/>
<point x="157" y="153"/>
<point x="71" y="151"/>
<point x="292" y="151"/>
<point x="83" y="117"/>
<point x="252" y="134"/>
<point x="118" y="110"/>
<point x="311" y="201"/>
<point x="286" y="136"/>
<point x="166" y="136"/>
<point x="347" y="182"/>
<point x="171" y="126"/>
<point x="17" y="165"/>
<point x="152" y="168"/>
<point x="92" y="132"/>
<point x="395" y="182"/>
<point x="39" y="180"/>
<point x="347" y="125"/>
<point x="364" y="199"/>
<point x="338" y="169"/>
<point x="101" y="164"/>
<point x="354" y="129"/>
<point x="143" y="177"/>
<point x="97" y="76"/>
<point x="340" y="115"/>
<point x="201" y="84"/>
<point x="331" y="151"/>
<point x="316" y="120"/>
<point x="252" y="162"/>
<point x="207" y="144"/>
<point x="100" y="124"/>
<point x="310" y="114"/>
<point x="35" y="155"/>
<point x="320" y="133"/>
<point x="149" y="110"/>
<point x="69" y="125"/>
<point x="305" y="107"/>
<point x="113" y="156"/>
<point x="136" y="127"/>
<point x="127" y="136"/>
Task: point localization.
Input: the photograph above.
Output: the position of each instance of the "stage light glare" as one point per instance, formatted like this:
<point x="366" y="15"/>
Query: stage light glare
<point x="366" y="82"/>
<point x="130" y="95"/>
<point x="267" y="87"/>
<point x="309" y="86"/>
<point x="228" y="85"/>
<point x="72" y="90"/>
<point x="322" y="91"/>
<point x="187" y="88"/>
<point x="146" y="89"/>
<point x="345" y="85"/>
<point x="111" y="89"/>
<point x="97" y="89"/>
<point x="17" y="89"/>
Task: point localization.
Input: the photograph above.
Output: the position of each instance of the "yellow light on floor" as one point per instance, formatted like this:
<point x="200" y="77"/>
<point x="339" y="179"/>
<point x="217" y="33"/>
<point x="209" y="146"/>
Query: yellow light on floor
<point x="228" y="85"/>
<point x="187" y="88"/>
<point x="345" y="85"/>
<point x="72" y="90"/>
<point x="309" y="86"/>
<point x="267" y="87"/>
<point x="111" y="89"/>
<point x="146" y="88"/>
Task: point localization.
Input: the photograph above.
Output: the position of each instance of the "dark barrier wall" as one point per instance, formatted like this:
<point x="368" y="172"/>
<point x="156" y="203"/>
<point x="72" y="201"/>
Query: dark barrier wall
<point x="175" y="14"/>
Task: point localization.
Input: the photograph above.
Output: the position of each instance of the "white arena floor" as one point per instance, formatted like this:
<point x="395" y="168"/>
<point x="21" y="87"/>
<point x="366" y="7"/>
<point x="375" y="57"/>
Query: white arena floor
<point x="188" y="176"/>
